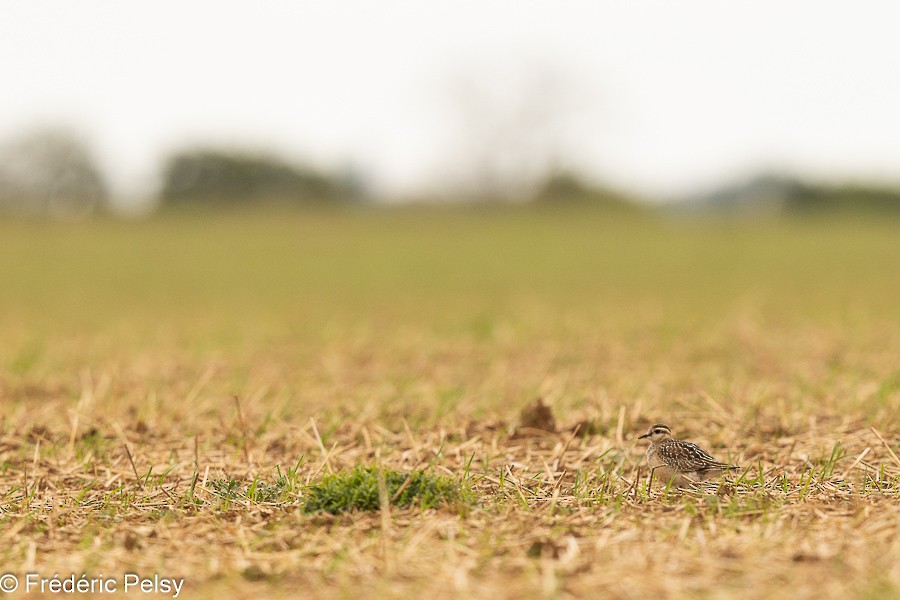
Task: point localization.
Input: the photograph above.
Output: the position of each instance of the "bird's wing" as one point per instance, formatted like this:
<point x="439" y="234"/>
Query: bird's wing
<point x="688" y="456"/>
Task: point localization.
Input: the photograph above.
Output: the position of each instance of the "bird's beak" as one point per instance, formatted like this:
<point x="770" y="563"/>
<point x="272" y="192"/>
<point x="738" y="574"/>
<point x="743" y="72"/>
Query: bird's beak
<point x="646" y="435"/>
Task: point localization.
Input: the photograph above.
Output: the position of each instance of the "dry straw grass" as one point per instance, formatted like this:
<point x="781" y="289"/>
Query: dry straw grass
<point x="564" y="512"/>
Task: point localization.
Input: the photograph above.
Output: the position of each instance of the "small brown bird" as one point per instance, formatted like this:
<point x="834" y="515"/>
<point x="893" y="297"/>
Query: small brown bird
<point x="681" y="463"/>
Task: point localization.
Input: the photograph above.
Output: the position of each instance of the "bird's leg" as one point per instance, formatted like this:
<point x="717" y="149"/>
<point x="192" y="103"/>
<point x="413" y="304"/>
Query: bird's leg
<point x="652" y="471"/>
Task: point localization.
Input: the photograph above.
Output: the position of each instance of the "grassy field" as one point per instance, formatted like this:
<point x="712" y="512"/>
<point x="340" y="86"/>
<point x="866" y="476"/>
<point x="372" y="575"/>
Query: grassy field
<point x="173" y="391"/>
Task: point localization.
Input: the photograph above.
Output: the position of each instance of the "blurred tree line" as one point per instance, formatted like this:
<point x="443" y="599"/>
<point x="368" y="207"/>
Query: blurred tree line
<point x="51" y="173"/>
<point x="565" y="189"/>
<point x="211" y="177"/>
<point x="778" y="194"/>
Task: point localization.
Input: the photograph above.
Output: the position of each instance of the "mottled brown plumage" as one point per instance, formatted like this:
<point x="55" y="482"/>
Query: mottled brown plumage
<point x="679" y="462"/>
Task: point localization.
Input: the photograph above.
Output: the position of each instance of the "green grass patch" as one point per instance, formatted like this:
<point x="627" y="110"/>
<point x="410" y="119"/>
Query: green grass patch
<point x="284" y="488"/>
<point x="363" y="487"/>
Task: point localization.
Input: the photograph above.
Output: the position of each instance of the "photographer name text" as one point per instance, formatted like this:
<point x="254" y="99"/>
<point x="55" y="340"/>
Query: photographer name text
<point x="87" y="584"/>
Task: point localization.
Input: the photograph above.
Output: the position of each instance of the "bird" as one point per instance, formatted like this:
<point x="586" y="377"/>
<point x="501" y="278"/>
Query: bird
<point x="679" y="462"/>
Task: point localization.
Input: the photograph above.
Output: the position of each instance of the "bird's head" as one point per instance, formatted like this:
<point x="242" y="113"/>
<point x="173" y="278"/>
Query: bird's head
<point x="657" y="433"/>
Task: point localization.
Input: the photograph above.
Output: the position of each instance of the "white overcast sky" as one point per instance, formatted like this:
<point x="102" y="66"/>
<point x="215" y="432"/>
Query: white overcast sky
<point x="663" y="97"/>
